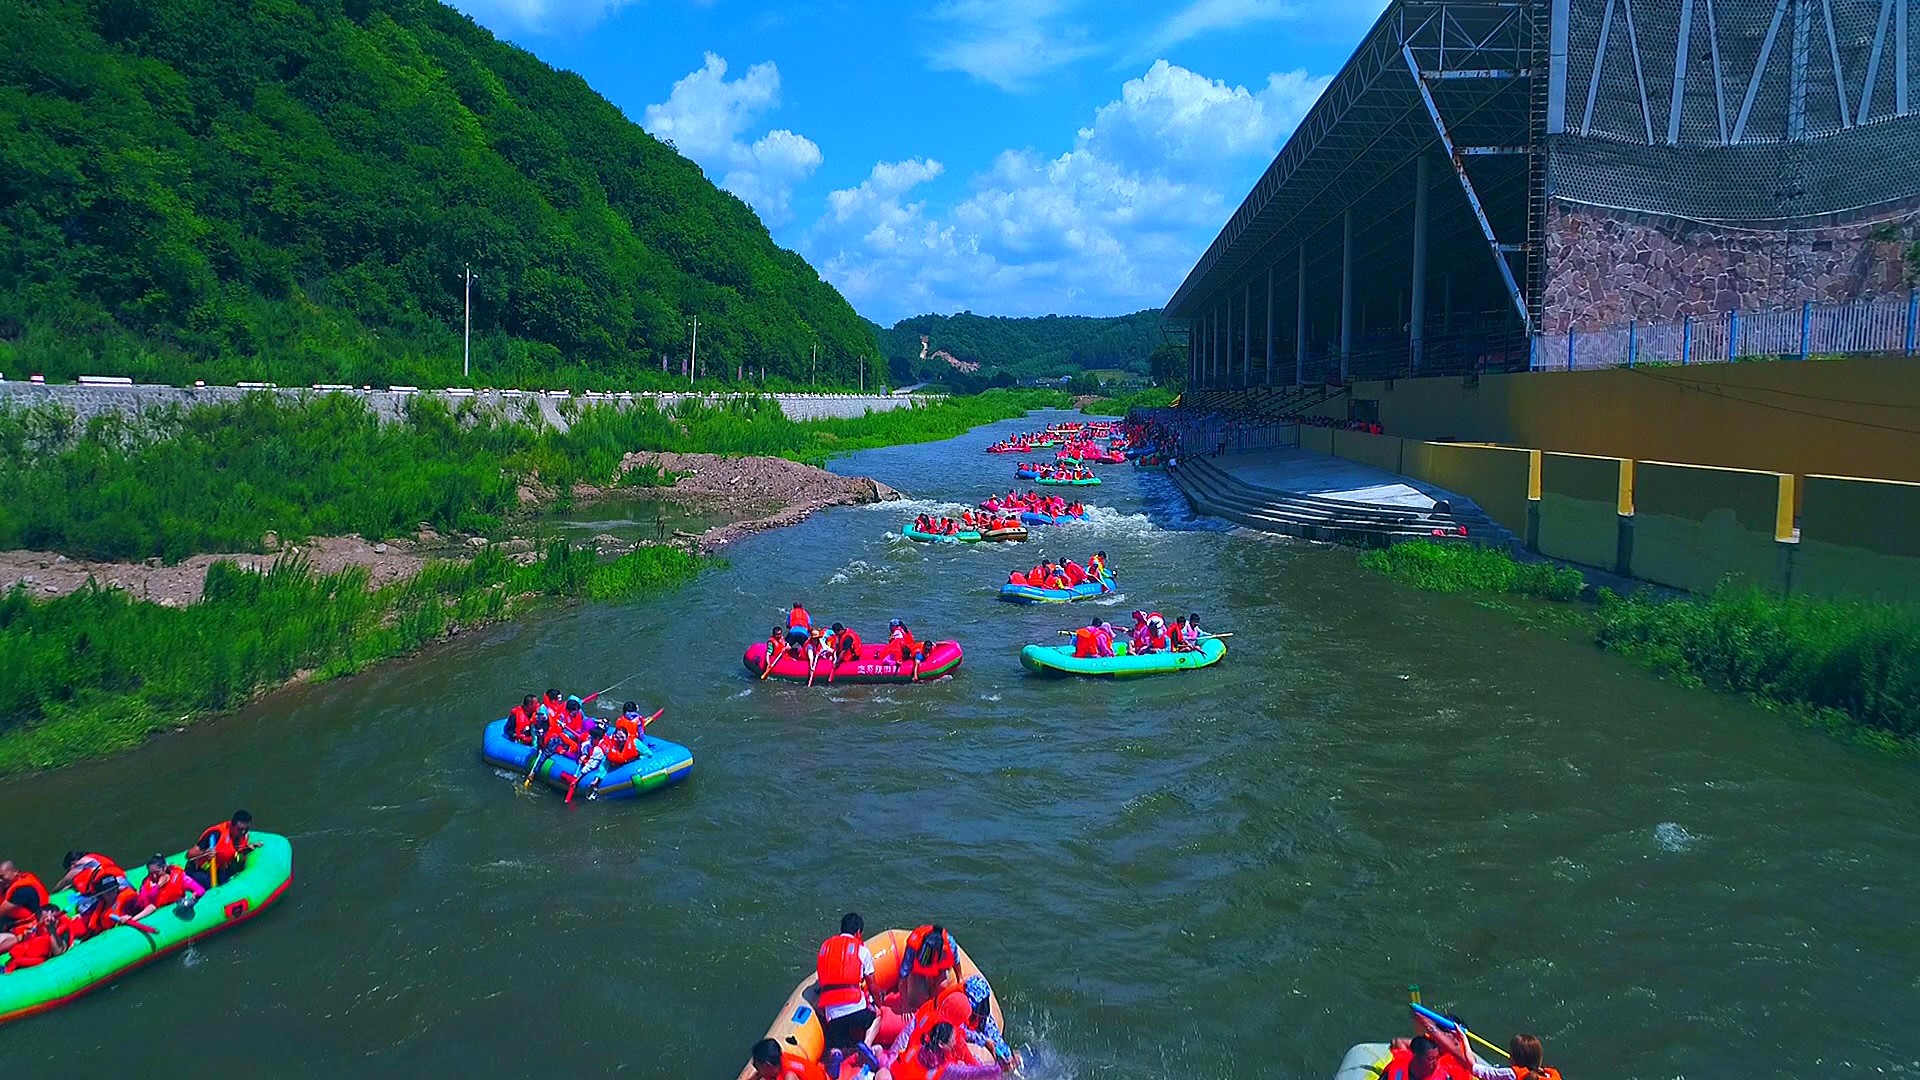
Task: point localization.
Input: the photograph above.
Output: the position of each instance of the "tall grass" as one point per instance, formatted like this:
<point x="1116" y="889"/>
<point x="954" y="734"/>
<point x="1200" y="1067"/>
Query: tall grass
<point x="1852" y="666"/>
<point x="1458" y="568"/>
<point x="1152" y="397"/>
<point x="177" y="482"/>
<point x="97" y="671"/>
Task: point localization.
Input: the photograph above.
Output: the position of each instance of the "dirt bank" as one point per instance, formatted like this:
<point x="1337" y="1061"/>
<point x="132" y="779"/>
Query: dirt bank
<point x="726" y="484"/>
<point x="46" y="574"/>
<point x="705" y="480"/>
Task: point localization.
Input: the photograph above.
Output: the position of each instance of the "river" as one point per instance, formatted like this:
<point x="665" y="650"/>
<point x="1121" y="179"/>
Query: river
<point x="1225" y="874"/>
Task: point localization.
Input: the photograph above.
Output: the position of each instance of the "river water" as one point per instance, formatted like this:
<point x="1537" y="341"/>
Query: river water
<point x="1233" y="873"/>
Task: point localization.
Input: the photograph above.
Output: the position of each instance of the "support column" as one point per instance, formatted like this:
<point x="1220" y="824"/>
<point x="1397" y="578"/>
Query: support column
<point x="1417" y="303"/>
<point x="1346" y="293"/>
<point x="1300" y="320"/>
<point x="1193" y="354"/>
<point x="1269" y="338"/>
<point x="1246" y="337"/>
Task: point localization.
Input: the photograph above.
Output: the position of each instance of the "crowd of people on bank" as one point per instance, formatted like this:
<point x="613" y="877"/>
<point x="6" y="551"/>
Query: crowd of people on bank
<point x="34" y="928"/>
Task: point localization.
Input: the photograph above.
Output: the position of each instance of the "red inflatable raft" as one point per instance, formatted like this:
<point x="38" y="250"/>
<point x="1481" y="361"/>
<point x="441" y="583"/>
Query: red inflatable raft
<point x="877" y="664"/>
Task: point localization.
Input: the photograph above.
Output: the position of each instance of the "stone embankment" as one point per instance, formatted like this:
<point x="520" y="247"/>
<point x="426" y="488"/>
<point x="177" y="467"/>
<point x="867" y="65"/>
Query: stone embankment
<point x="550" y="407"/>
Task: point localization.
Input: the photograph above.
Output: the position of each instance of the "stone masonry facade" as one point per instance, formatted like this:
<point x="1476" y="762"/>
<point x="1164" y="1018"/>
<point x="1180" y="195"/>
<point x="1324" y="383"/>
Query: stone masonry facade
<point x="1605" y="267"/>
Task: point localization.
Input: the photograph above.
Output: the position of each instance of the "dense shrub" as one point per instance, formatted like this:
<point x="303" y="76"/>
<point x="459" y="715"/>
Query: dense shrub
<point x="1454" y="568"/>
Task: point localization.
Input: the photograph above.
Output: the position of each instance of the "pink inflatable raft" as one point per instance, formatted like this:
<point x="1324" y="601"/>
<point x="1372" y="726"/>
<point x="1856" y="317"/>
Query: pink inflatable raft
<point x="877" y="664"/>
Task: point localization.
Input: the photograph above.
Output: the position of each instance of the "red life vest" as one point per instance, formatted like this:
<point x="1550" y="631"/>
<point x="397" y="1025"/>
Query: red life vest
<point x="838" y="970"/>
<point x="99" y="917"/>
<point x="217" y="841"/>
<point x="94" y="867"/>
<point x="173" y="888"/>
<point x="907" y="1067"/>
<point x="1542" y="1073"/>
<point x="24" y="920"/>
<point x="848" y="644"/>
<point x="37" y="948"/>
<point x="1083" y="644"/>
<point x="1400" y="1063"/>
<point x="520" y="725"/>
<point x="799" y="617"/>
<point x="794" y="1067"/>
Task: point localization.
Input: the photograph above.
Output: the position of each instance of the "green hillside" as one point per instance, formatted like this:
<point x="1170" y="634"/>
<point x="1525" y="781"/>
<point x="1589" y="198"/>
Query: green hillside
<point x="289" y="189"/>
<point x="1047" y="347"/>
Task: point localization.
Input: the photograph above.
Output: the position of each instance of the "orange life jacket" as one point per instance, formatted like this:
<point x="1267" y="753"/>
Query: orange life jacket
<point x="217" y="842"/>
<point x="1083" y="644"/>
<point x="99" y="917"/>
<point x="520" y="724"/>
<point x="838" y="970"/>
<point x="907" y="1067"/>
<point x="173" y="888"/>
<point x="87" y="878"/>
<point x="24" y="920"/>
<point x="794" y="1067"/>
<point x="799" y="617"/>
<point x="1400" y="1063"/>
<point x="37" y="947"/>
<point x="1544" y="1072"/>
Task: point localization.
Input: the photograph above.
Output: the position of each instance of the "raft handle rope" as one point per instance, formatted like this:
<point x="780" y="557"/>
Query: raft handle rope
<point x="1445" y="1023"/>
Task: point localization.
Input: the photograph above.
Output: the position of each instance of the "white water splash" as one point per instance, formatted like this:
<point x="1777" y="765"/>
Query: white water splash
<point x="989" y="697"/>
<point x="1671" y="837"/>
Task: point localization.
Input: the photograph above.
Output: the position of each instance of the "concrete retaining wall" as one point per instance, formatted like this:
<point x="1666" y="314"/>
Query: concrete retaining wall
<point x="1379" y="451"/>
<point x="1580" y="508"/>
<point x="1858" y="538"/>
<point x="87" y="401"/>
<point x="1317" y="439"/>
<point x="1695" y="526"/>
<point x="1496" y="477"/>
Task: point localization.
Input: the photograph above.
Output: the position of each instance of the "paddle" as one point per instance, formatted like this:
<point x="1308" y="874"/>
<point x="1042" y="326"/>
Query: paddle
<point x="135" y="923"/>
<point x="1448" y="1024"/>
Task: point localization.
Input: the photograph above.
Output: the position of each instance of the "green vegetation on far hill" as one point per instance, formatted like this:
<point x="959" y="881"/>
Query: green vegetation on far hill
<point x="1851" y="667"/>
<point x="214" y="478"/>
<point x="1020" y="348"/>
<point x="288" y="190"/>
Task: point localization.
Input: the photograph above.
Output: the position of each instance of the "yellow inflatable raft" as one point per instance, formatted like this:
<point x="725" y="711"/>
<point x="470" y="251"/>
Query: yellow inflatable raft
<point x="797" y="1026"/>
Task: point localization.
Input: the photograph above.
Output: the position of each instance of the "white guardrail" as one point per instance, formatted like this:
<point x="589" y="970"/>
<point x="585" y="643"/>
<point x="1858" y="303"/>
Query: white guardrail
<point x="112" y="381"/>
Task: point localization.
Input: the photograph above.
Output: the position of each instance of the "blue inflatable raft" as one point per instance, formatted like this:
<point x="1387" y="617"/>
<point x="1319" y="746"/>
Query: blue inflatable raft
<point x="1032" y="594"/>
<point x="660" y="764"/>
<point x="1029" y="517"/>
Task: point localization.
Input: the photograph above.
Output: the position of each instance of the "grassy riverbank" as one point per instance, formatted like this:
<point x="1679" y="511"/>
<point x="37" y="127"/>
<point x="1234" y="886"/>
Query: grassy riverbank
<point x="98" y="671"/>
<point x="213" y="478"/>
<point x="1153" y="397"/>
<point x="1850" y="667"/>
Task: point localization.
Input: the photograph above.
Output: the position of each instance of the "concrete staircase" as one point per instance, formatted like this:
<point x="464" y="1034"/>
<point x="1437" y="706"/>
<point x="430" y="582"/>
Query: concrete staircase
<point x="1214" y="491"/>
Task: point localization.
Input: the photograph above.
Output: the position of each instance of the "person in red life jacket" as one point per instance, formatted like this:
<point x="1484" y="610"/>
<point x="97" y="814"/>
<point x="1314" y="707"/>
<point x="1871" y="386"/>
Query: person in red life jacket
<point x="772" y="1063"/>
<point x="629" y="735"/>
<point x="522" y="720"/>
<point x="53" y="933"/>
<point x="22" y="898"/>
<point x="1524" y="1054"/>
<point x="1086" y="640"/>
<point x="799" y="623"/>
<point x="221" y="850"/>
<point x="554" y="704"/>
<point x="1421" y="1059"/>
<point x="846" y="644"/>
<point x="951" y="1007"/>
<point x="109" y="905"/>
<point x="901" y="644"/>
<point x="933" y="1058"/>
<point x="844" y="973"/>
<point x="930" y="963"/>
<point x="165" y="885"/>
<point x="776" y="649"/>
<point x="85" y="872"/>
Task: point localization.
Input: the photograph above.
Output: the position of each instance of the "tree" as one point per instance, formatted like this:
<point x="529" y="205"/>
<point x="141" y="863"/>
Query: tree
<point x="1167" y="366"/>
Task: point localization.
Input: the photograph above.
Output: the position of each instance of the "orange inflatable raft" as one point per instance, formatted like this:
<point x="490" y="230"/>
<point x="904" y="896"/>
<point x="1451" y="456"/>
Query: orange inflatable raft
<point x="797" y="1025"/>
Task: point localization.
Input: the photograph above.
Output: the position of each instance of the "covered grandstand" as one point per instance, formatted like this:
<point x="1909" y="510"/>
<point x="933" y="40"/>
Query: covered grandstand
<point x="1482" y="173"/>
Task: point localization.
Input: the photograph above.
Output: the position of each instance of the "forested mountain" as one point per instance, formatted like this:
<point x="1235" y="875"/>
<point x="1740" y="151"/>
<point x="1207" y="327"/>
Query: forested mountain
<point x="1049" y="347"/>
<point x="289" y="189"/>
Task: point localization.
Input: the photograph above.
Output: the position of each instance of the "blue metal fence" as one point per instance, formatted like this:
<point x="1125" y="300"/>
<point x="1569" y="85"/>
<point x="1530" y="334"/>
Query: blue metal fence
<point x="1883" y="326"/>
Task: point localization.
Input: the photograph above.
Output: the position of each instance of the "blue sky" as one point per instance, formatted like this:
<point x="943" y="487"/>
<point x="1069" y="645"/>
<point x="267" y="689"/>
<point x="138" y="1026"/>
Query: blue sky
<point x="1008" y="157"/>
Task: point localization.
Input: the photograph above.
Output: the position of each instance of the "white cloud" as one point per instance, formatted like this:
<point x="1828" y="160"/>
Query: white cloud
<point x="707" y="118"/>
<point x="1008" y="43"/>
<point x="538" y="16"/>
<point x="1111" y="224"/>
<point x="1207" y="16"/>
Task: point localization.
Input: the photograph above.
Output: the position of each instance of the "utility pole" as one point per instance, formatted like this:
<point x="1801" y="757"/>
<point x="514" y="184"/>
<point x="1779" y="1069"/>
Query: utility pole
<point x="814" y="379"/>
<point x="466" y="331"/>
<point x="693" y="358"/>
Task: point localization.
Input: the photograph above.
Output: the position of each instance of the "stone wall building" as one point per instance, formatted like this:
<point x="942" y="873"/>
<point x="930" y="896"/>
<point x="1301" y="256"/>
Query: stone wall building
<point x="1483" y="174"/>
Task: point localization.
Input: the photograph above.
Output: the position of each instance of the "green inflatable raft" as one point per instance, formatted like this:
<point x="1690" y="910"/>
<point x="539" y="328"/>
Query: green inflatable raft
<point x="1059" y="660"/>
<point x="104" y="957"/>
